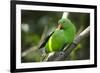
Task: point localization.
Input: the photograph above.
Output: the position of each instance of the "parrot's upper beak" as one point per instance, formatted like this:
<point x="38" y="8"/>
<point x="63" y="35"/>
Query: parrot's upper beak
<point x="59" y="27"/>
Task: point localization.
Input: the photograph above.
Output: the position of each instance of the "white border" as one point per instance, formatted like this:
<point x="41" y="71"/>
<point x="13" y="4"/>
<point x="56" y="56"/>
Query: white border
<point x="51" y="64"/>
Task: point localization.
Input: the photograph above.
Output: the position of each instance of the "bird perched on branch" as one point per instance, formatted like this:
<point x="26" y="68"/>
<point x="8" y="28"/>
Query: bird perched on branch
<point x="62" y="36"/>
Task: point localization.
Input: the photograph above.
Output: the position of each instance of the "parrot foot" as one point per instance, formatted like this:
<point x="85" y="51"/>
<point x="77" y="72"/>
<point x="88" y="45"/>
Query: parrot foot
<point x="61" y="53"/>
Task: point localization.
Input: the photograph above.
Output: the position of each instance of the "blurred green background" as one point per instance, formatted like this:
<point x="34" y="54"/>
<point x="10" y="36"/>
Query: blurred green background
<point x="35" y="25"/>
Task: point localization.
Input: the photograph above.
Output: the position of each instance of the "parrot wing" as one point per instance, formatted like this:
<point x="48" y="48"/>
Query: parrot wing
<point x="45" y="40"/>
<point x="56" y="42"/>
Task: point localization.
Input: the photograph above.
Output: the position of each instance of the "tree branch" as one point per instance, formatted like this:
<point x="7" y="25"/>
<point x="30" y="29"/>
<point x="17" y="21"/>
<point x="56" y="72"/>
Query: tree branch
<point x="65" y="15"/>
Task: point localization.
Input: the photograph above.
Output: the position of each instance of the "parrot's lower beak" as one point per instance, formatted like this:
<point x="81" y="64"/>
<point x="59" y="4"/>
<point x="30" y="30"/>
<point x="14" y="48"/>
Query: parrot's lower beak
<point x="59" y="26"/>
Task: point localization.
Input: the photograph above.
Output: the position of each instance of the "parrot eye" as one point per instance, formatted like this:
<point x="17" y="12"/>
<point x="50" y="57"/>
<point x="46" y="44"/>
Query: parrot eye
<point x="63" y="21"/>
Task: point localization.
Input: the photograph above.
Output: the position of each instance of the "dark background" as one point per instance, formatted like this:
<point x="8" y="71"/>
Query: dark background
<point x="35" y="25"/>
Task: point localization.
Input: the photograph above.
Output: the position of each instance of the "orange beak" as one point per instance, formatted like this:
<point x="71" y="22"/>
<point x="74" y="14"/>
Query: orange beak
<point x="59" y="26"/>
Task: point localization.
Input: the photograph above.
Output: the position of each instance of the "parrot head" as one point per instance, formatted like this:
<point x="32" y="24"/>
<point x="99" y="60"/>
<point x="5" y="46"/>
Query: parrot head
<point x="63" y="23"/>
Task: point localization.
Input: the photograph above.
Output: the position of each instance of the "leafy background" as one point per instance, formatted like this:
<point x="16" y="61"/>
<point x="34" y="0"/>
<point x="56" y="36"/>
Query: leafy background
<point x="35" y="25"/>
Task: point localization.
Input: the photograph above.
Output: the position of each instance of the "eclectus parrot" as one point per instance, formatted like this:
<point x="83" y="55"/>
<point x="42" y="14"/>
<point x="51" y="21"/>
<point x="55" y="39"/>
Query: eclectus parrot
<point x="63" y="35"/>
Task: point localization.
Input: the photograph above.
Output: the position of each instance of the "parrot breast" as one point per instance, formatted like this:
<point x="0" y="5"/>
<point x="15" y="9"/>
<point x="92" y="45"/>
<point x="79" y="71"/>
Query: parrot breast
<point x="56" y="41"/>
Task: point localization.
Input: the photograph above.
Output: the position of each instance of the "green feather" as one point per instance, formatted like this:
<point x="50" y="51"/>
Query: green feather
<point x="61" y="36"/>
<point x="56" y="41"/>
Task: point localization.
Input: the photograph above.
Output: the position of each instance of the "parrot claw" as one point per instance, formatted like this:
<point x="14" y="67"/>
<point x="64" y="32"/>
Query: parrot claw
<point x="61" y="53"/>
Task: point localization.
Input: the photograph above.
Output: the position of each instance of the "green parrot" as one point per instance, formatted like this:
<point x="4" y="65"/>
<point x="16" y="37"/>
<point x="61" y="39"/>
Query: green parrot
<point x="63" y="35"/>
